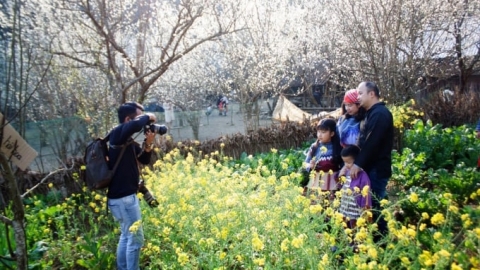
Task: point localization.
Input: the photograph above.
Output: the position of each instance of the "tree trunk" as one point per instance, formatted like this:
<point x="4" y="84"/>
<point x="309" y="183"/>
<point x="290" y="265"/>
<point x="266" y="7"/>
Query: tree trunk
<point x="18" y="214"/>
<point x="193" y="118"/>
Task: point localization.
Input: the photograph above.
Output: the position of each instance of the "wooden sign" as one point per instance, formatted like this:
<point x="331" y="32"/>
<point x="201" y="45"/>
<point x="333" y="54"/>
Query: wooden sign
<point x="21" y="155"/>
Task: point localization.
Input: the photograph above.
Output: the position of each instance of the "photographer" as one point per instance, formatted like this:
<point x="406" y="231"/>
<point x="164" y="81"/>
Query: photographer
<point x="122" y="191"/>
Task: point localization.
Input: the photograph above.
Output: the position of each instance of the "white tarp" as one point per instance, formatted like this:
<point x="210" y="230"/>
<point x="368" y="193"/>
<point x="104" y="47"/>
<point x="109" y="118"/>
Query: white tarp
<point x="287" y="111"/>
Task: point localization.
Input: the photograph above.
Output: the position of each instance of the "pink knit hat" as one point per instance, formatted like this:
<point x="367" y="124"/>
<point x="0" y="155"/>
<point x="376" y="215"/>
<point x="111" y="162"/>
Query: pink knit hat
<point x="351" y="96"/>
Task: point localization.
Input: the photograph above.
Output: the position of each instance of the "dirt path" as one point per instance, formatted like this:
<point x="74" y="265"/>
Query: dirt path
<point x="214" y="126"/>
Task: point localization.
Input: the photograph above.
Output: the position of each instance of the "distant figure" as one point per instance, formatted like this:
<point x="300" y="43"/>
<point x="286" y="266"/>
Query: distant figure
<point x="222" y="105"/>
<point x="209" y="110"/>
<point x="318" y="97"/>
<point x="169" y="114"/>
<point x="447" y="95"/>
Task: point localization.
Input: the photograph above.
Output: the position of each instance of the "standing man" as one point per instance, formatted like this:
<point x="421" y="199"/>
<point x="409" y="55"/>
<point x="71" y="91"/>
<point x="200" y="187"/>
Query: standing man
<point x="122" y="192"/>
<point x="376" y="144"/>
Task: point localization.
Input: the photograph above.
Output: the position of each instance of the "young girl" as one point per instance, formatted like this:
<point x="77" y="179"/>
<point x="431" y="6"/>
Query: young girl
<point x="324" y="157"/>
<point x="356" y="195"/>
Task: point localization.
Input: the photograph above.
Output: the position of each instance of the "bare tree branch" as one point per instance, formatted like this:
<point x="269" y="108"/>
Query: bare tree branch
<point x="45" y="179"/>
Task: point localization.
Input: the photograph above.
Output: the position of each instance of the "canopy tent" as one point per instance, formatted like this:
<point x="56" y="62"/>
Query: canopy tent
<point x="287" y="111"/>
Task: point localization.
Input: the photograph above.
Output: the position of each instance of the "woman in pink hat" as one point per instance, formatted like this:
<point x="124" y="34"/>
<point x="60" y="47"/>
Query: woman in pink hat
<point x="349" y="123"/>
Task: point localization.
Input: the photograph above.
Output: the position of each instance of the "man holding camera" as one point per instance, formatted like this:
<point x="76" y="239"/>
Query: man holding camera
<point x="122" y="191"/>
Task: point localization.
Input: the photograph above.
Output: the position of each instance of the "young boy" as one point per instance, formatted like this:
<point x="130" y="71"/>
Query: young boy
<point x="356" y="194"/>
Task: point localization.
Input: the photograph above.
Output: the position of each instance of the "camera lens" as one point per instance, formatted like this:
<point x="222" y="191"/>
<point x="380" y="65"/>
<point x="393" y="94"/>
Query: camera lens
<point x="147" y="195"/>
<point x="157" y="129"/>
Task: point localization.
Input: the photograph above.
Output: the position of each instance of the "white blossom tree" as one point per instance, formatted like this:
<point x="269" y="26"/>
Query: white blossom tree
<point x="21" y="76"/>
<point x="395" y="42"/>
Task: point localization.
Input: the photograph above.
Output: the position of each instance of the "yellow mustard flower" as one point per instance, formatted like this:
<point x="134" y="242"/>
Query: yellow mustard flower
<point x="284" y="245"/>
<point x="477" y="232"/>
<point x="425" y="258"/>
<point x="455" y="266"/>
<point x="183" y="258"/>
<point x="297" y="242"/>
<point x="383" y="202"/>
<point x="438" y="219"/>
<point x="222" y="255"/>
<point x="372" y="252"/>
<point x="361" y="222"/>
<point x="259" y="261"/>
<point x="444" y="253"/>
<point x="135" y="226"/>
<point x="405" y="260"/>
<point x="257" y="243"/>
<point x="453" y="209"/>
<point x="413" y="197"/>
<point x="365" y="191"/>
<point x="324" y="260"/>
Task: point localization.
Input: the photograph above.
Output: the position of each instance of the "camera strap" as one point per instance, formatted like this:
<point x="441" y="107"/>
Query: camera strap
<point x="123" y="146"/>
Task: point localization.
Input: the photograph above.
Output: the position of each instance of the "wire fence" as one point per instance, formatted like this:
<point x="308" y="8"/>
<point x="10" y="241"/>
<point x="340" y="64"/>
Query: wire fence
<point x="55" y="141"/>
<point x="60" y="139"/>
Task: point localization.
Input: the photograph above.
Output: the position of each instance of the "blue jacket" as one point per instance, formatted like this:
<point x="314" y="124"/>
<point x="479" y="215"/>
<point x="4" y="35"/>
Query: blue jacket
<point x="478" y="126"/>
<point x="126" y="177"/>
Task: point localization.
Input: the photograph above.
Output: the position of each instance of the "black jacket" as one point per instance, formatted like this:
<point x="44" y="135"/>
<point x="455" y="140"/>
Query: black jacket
<point x="126" y="177"/>
<point x="376" y="141"/>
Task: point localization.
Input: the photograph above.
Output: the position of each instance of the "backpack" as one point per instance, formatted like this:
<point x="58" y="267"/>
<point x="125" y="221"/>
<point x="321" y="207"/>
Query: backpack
<point x="97" y="173"/>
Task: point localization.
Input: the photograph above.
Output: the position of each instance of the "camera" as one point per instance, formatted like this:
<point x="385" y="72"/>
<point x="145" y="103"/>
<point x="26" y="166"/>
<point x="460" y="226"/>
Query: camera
<point x="151" y="201"/>
<point x="157" y="129"/>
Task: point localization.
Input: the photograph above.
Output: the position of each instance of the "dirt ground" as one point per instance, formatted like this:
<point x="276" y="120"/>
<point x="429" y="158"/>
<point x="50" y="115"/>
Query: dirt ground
<point x="214" y="126"/>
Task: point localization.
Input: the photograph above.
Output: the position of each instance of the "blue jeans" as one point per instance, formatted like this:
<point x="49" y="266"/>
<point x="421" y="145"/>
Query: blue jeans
<point x="126" y="211"/>
<point x="379" y="191"/>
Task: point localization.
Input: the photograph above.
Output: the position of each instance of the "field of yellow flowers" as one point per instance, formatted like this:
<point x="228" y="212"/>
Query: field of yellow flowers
<point x="218" y="213"/>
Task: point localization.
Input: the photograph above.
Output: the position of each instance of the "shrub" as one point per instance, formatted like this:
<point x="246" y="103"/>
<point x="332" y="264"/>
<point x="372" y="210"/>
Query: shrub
<point x="461" y="108"/>
<point x="443" y="147"/>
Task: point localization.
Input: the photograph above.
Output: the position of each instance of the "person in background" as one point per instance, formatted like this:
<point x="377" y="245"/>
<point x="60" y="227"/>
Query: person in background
<point x="209" y="110"/>
<point x="220" y="105"/>
<point x="224" y="103"/>
<point x="376" y="144"/>
<point x="169" y="114"/>
<point x="122" y="197"/>
<point x="324" y="158"/>
<point x="349" y="123"/>
<point x="356" y="195"/>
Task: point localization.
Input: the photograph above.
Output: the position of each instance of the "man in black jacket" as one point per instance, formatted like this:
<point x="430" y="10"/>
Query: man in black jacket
<point x="122" y="192"/>
<point x="376" y="144"/>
